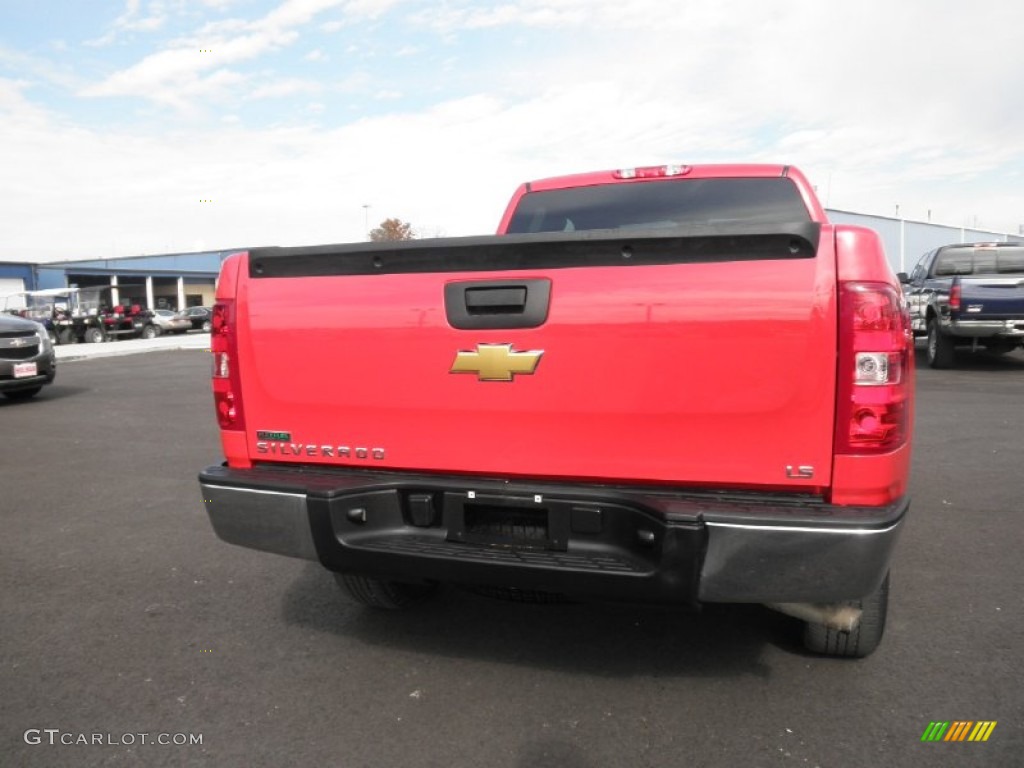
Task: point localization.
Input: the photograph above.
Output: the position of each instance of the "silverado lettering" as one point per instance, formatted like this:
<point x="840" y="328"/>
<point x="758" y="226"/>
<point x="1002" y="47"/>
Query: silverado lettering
<point x="325" y="451"/>
<point x="722" y="412"/>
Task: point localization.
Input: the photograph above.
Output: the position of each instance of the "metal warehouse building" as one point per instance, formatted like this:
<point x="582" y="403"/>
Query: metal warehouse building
<point x="167" y="281"/>
<point x="180" y="280"/>
<point x="906" y="241"/>
<point x="15" y="277"/>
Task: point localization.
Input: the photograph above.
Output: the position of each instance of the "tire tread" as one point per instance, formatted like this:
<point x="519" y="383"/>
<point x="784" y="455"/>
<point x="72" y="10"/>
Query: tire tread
<point x="381" y="594"/>
<point x="944" y="353"/>
<point x="862" y="641"/>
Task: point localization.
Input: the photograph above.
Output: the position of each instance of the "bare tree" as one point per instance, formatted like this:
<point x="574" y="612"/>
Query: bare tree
<point x="392" y="229"/>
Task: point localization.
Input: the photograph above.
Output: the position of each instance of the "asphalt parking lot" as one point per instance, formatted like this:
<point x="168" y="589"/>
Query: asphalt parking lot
<point x="122" y="614"/>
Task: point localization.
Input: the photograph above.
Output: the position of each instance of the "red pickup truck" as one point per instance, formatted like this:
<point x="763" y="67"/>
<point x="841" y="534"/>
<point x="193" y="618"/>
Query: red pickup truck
<point x="676" y="385"/>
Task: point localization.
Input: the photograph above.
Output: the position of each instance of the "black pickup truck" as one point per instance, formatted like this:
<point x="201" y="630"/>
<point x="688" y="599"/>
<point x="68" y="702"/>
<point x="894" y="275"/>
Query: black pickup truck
<point x="970" y="294"/>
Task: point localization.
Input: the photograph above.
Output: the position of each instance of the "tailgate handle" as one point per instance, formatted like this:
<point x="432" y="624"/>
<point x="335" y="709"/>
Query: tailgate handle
<point x="484" y="304"/>
<point x="493" y="301"/>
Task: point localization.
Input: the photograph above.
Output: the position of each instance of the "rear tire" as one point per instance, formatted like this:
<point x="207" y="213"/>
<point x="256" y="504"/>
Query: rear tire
<point x="207" y="325"/>
<point x="860" y="642"/>
<point x="150" y="332"/>
<point x="940" y="347"/>
<point x="94" y="335"/>
<point x="384" y="595"/>
<point x="22" y="394"/>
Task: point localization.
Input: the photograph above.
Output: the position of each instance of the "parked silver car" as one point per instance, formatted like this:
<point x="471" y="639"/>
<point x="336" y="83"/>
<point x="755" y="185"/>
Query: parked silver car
<point x="166" y="321"/>
<point x="27" y="359"/>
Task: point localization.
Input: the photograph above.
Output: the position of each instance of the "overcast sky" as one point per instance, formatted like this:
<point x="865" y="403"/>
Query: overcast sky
<point x="178" y="125"/>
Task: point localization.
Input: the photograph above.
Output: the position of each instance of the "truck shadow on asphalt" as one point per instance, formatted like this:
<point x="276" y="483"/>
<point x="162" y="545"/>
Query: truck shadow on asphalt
<point x="966" y="360"/>
<point x="50" y="392"/>
<point x="608" y="640"/>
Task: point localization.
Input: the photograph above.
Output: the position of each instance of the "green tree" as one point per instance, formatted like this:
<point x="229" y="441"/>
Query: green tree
<point x="392" y="229"/>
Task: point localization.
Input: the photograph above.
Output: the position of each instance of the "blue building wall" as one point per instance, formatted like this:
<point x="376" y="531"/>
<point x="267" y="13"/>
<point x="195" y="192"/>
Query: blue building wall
<point x="14" y="269"/>
<point x="51" y="277"/>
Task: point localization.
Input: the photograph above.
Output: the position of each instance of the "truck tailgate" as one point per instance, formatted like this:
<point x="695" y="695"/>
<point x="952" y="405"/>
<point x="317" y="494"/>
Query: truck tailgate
<point x="994" y="297"/>
<point x="714" y="369"/>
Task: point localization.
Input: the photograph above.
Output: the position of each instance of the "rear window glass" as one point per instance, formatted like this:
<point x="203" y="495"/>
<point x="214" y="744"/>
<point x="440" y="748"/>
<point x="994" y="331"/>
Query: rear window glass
<point x="980" y="261"/>
<point x="1010" y="260"/>
<point x="656" y="204"/>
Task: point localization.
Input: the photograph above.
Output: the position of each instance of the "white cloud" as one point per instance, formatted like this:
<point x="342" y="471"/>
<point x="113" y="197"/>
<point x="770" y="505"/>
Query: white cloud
<point x="875" y="91"/>
<point x="879" y="104"/>
<point x="356" y="82"/>
<point x="176" y="76"/>
<point x="292" y="13"/>
<point x="129" y="21"/>
<point x="170" y="78"/>
<point x="370" y="9"/>
<point x="36" y="68"/>
<point x="14" y="106"/>
<point x="284" y="186"/>
<point x="277" y="89"/>
<point x="451" y="167"/>
<point x="151" y="24"/>
<point x="477" y="16"/>
<point x="316" y="55"/>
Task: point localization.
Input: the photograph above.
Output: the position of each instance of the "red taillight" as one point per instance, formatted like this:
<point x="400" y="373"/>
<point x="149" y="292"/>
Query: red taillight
<point x="954" y="296"/>
<point x="224" y="346"/>
<point x="875" y="369"/>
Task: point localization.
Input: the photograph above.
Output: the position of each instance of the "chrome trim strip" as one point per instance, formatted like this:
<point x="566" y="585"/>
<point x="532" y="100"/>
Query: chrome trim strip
<point x="252" y="490"/>
<point x="796" y="529"/>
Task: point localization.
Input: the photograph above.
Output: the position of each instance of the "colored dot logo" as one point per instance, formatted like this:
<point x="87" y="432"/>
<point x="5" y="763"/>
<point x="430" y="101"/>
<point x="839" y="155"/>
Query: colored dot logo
<point x="205" y="200"/>
<point x="206" y="50"/>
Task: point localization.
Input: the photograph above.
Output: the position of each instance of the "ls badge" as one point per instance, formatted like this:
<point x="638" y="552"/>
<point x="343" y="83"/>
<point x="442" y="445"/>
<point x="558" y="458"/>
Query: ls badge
<point x="496" y="362"/>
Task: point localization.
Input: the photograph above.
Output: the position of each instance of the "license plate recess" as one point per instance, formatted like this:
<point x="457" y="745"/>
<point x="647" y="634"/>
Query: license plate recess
<point x="521" y="522"/>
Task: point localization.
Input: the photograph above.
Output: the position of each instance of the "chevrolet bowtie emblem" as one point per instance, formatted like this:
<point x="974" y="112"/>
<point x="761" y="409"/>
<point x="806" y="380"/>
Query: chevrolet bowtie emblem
<point x="496" y="362"/>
